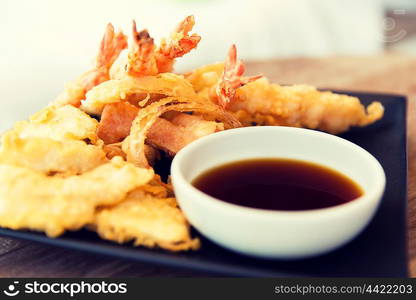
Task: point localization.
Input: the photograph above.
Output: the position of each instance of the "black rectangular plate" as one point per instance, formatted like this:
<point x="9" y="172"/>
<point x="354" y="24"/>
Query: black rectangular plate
<point x="379" y="251"/>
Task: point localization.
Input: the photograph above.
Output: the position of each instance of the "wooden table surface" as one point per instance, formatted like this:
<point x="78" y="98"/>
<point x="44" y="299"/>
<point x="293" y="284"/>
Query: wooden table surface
<point x="389" y="73"/>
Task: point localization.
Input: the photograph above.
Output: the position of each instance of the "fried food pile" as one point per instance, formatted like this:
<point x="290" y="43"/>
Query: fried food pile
<point x="86" y="160"/>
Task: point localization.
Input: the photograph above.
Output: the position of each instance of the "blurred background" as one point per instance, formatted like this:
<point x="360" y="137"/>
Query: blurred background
<point x="45" y="43"/>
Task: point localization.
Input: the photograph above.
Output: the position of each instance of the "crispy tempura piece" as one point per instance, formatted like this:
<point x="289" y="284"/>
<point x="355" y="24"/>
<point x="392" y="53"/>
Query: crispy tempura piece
<point x="134" y="144"/>
<point x="203" y="79"/>
<point x="170" y="136"/>
<point x="49" y="156"/>
<point x="263" y="103"/>
<point x="231" y="78"/>
<point x="118" y="90"/>
<point x="111" y="46"/>
<point x="32" y="200"/>
<point x="141" y="57"/>
<point x="179" y="43"/>
<point x="111" y="150"/>
<point x="148" y="221"/>
<point x="158" y="188"/>
<point x="62" y="123"/>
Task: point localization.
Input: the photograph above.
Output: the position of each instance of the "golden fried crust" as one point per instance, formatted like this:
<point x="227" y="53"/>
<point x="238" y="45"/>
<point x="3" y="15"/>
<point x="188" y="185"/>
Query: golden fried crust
<point x="72" y="94"/>
<point x="133" y="145"/>
<point x="205" y="77"/>
<point x="156" y="187"/>
<point x="63" y="123"/>
<point x="148" y="221"/>
<point x="118" y="90"/>
<point x="264" y="103"/>
<point x="113" y="150"/>
<point x="32" y="200"/>
<point x="49" y="156"/>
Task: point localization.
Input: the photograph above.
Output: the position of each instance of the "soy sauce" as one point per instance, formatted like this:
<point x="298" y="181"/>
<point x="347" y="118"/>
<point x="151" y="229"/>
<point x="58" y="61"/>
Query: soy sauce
<point x="278" y="184"/>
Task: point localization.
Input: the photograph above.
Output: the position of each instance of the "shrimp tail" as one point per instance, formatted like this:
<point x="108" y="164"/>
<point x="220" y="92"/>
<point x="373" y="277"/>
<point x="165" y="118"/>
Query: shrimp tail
<point x="182" y="42"/>
<point x="141" y="58"/>
<point x="111" y="46"/>
<point x="179" y="44"/>
<point x="231" y="78"/>
<point x="374" y="112"/>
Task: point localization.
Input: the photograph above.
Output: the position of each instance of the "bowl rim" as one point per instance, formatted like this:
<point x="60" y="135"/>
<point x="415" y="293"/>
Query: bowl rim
<point x="372" y="195"/>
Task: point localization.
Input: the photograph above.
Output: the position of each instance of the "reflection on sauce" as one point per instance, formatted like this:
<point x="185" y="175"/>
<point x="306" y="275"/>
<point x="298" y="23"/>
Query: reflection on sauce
<point x="278" y="184"/>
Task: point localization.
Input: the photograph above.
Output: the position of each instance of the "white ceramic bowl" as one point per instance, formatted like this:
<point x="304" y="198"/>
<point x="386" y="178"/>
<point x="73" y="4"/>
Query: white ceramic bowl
<point x="277" y="234"/>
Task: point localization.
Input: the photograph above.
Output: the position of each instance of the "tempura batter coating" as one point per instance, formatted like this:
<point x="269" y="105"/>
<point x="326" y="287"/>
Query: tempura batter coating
<point x="32" y="200"/>
<point x="49" y="156"/>
<point x="156" y="187"/>
<point x="263" y="103"/>
<point x="134" y="144"/>
<point x="63" y="170"/>
<point x="168" y="135"/>
<point x="148" y="221"/>
<point x="60" y="124"/>
<point x="117" y="90"/>
<point x="205" y="77"/>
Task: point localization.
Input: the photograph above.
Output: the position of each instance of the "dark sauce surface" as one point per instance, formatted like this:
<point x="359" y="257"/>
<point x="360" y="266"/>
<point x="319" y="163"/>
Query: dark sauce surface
<point x="278" y="184"/>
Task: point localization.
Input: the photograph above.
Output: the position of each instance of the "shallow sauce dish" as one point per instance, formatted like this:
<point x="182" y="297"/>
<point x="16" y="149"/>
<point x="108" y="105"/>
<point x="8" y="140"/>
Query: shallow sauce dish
<point x="277" y="234"/>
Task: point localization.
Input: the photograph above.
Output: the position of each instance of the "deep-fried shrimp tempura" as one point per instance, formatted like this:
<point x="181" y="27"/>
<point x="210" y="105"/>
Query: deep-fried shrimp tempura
<point x="263" y="103"/>
<point x="87" y="159"/>
<point x="111" y="46"/>
<point x="117" y="90"/>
